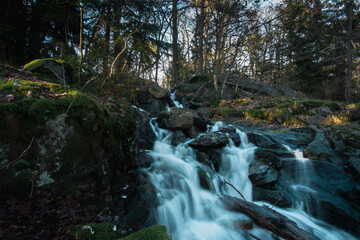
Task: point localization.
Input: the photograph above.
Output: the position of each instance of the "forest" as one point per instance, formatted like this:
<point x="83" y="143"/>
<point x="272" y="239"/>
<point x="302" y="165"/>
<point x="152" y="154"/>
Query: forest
<point x="180" y="119"/>
<point x="311" y="45"/>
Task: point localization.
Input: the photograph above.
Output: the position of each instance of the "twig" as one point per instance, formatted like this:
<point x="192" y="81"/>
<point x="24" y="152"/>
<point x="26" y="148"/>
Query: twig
<point x="197" y="92"/>
<point x="13" y="163"/>
<point x="282" y="193"/>
<point x="235" y="189"/>
<point x="125" y="44"/>
<point x="92" y="79"/>
<point x="254" y="236"/>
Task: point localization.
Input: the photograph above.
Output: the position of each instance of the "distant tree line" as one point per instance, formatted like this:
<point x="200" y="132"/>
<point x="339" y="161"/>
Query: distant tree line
<point x="309" y="45"/>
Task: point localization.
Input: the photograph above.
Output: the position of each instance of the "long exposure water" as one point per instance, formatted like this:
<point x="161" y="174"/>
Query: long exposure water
<point x="191" y="212"/>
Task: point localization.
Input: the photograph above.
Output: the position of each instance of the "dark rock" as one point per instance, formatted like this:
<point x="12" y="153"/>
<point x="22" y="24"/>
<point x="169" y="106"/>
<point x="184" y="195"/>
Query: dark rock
<point x="204" y="178"/>
<point x="144" y="135"/>
<point x="195" y="105"/>
<point x="261" y="140"/>
<point x="235" y="137"/>
<point x="270" y="157"/>
<point x="181" y="119"/>
<point x="272" y="196"/>
<point x="142" y="194"/>
<point x="193" y="132"/>
<point x="203" y="158"/>
<point x="211" y="140"/>
<point x="262" y="175"/>
<point x="204" y="112"/>
<point x="178" y="137"/>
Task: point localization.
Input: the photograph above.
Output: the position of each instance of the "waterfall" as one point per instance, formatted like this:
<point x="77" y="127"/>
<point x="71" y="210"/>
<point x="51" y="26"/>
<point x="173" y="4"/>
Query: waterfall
<point x="192" y="213"/>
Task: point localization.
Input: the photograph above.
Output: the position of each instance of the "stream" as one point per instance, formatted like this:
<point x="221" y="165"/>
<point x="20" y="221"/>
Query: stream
<point x="191" y="212"/>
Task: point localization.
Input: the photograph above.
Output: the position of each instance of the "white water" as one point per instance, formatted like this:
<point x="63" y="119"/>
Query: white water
<point x="190" y="212"/>
<point x="176" y="103"/>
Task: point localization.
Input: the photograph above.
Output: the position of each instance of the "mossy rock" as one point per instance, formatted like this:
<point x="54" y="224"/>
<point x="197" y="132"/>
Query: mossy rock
<point x="225" y="113"/>
<point x="96" y="231"/>
<point x="51" y="70"/>
<point x="256" y="113"/>
<point x="21" y="88"/>
<point x="156" y="232"/>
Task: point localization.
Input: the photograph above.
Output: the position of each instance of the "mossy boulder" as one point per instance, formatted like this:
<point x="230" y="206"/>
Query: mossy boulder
<point x="51" y="70"/>
<point x="51" y="141"/>
<point x="156" y="232"/>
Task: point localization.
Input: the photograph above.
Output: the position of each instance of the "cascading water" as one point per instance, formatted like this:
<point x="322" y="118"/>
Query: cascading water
<point x="187" y="210"/>
<point x="191" y="212"/>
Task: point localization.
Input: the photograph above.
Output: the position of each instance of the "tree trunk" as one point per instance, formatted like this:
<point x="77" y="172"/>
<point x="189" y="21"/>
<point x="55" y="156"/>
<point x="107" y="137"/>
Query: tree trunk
<point x="349" y="14"/>
<point x="267" y="218"/>
<point x="81" y="40"/>
<point x="175" y="42"/>
<point x="201" y="37"/>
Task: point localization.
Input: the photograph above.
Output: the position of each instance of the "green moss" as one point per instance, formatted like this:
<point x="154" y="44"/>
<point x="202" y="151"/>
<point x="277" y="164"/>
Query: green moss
<point x="96" y="231"/>
<point x="42" y="110"/>
<point x="228" y="113"/>
<point x="20" y="88"/>
<point x="37" y="62"/>
<point x="309" y="104"/>
<point x="203" y="178"/>
<point x="333" y="106"/>
<point x="256" y="113"/>
<point x="156" y="232"/>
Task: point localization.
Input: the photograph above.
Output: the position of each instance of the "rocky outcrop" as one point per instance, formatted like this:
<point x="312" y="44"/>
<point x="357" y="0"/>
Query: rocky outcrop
<point x="51" y="70"/>
<point x="190" y="122"/>
<point x="212" y="140"/>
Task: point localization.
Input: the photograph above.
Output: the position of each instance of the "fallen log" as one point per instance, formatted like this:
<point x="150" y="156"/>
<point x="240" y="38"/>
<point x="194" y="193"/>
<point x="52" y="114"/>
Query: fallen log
<point x="267" y="218"/>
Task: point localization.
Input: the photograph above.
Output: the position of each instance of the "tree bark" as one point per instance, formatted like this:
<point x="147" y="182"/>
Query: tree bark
<point x="268" y="218"/>
<point x="81" y="40"/>
<point x="175" y="42"/>
<point x="349" y="14"/>
<point x="201" y="37"/>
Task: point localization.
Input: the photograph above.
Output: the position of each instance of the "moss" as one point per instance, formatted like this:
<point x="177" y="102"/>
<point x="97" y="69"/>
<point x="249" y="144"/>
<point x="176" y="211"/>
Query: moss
<point x="42" y="110"/>
<point x="256" y="113"/>
<point x="333" y="106"/>
<point x="203" y="179"/>
<point x="20" y="88"/>
<point x="37" y="62"/>
<point x="96" y="231"/>
<point x="156" y="232"/>
<point x="228" y="113"/>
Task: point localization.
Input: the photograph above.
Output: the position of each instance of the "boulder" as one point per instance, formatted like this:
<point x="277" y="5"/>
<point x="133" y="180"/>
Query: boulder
<point x="262" y="175"/>
<point x="178" y="137"/>
<point x="210" y="140"/>
<point x="51" y="69"/>
<point x="181" y="119"/>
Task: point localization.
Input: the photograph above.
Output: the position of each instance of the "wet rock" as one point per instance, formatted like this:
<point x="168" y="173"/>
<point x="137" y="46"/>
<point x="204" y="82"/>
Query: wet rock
<point x="178" y="137"/>
<point x="204" y="112"/>
<point x="243" y="224"/>
<point x="272" y="195"/>
<point x="142" y="194"/>
<point x="203" y="158"/>
<point x="204" y="177"/>
<point x="261" y="140"/>
<point x="195" y="105"/>
<point x="270" y="157"/>
<point x="211" y="140"/>
<point x="262" y="175"/>
<point x="193" y="132"/>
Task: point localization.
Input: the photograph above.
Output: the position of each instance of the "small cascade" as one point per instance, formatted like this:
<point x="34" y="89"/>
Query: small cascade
<point x="176" y="103"/>
<point x="190" y="212"/>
